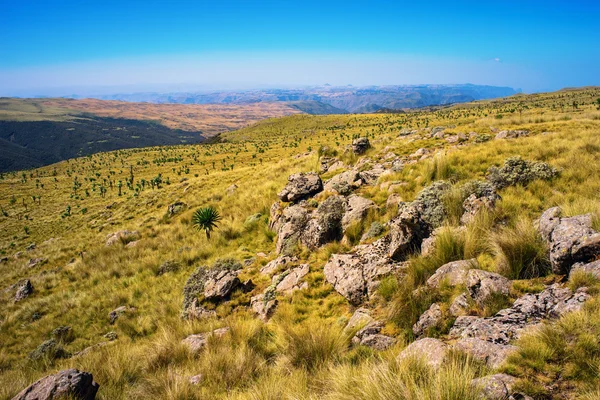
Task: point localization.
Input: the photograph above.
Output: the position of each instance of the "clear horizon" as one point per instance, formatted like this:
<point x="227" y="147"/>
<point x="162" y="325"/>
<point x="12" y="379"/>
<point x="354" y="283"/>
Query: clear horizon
<point x="77" y="48"/>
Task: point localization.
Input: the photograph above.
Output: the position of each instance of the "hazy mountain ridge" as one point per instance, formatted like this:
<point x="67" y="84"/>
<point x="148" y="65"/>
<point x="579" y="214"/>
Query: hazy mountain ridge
<point x="348" y="98"/>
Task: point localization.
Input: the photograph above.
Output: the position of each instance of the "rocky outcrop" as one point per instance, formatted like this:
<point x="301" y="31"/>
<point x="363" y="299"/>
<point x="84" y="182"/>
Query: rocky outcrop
<point x="291" y="224"/>
<point x="459" y="306"/>
<point x="493" y="354"/>
<point x="507" y="324"/>
<point x="264" y="306"/>
<point x="277" y="263"/>
<point x="371" y="336"/>
<point x="429" y="319"/>
<point x="24" y="290"/>
<point x="432" y="351"/>
<point x="356" y="276"/>
<point x="220" y="283"/>
<point x="482" y="285"/>
<point x="453" y="273"/>
<point x="199" y="341"/>
<point x="592" y="268"/>
<point x="407" y="232"/>
<point x="360" y="145"/>
<point x="344" y="183"/>
<point x="301" y="186"/>
<point x="571" y="239"/>
<point x="291" y="280"/>
<point x="357" y="208"/>
<point x="71" y="384"/>
<point x="495" y="387"/>
<point x="474" y="204"/>
<point x="325" y="224"/>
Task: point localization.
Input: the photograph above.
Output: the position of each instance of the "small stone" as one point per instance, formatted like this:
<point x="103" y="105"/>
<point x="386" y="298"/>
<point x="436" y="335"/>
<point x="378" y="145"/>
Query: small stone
<point x="429" y="319"/>
<point x="24" y="290"/>
<point x="199" y="341"/>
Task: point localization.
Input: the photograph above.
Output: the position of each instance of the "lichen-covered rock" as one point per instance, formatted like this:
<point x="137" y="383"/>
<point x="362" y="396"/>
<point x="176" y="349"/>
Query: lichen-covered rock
<point x="453" y="273"/>
<point x="508" y="323"/>
<point x="360" y="319"/>
<point x="220" y="283"/>
<point x="432" y="351"/>
<point x="344" y="183"/>
<point x="571" y="239"/>
<point x="360" y="145"/>
<point x="277" y="263"/>
<point x="459" y="306"/>
<point x="301" y="186"/>
<point x="519" y="171"/>
<point x="495" y="387"/>
<point x="592" y="268"/>
<point x="264" y="306"/>
<point x="372" y="175"/>
<point x="291" y="280"/>
<point x="429" y="319"/>
<point x="483" y="284"/>
<point x="24" y="290"/>
<point x="71" y="384"/>
<point x="407" y="232"/>
<point x="199" y="341"/>
<point x="473" y="205"/>
<point x="356" y="276"/>
<point x="493" y="354"/>
<point x="292" y="224"/>
<point x="357" y="208"/>
<point x="326" y="224"/>
<point x="371" y="336"/>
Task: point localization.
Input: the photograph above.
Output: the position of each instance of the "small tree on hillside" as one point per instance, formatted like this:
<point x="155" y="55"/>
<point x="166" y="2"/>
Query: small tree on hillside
<point x="206" y="219"/>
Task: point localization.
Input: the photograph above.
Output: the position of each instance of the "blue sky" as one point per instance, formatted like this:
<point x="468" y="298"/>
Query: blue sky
<point x="49" y="46"/>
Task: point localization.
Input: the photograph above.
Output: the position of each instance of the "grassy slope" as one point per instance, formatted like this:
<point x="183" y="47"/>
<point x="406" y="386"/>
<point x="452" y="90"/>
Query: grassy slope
<point x="257" y="360"/>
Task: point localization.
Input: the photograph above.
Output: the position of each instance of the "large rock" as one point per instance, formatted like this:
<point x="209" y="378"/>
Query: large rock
<point x="220" y="283"/>
<point x="495" y="387"/>
<point x="292" y="224"/>
<point x="72" y="384"/>
<point x="199" y="341"/>
<point x="571" y="240"/>
<point x="429" y="319"/>
<point x="453" y="273"/>
<point x="24" y="290"/>
<point x="432" y="351"/>
<point x="264" y="306"/>
<point x="357" y="209"/>
<point x="473" y="205"/>
<point x="371" y="336"/>
<point x="407" y="232"/>
<point x="360" y="145"/>
<point x="344" y="183"/>
<point x="326" y="223"/>
<point x="356" y="276"/>
<point x="459" y="306"/>
<point x="592" y="268"/>
<point x="493" y="354"/>
<point x="291" y="280"/>
<point x="483" y="284"/>
<point x="277" y="263"/>
<point x="361" y="318"/>
<point x="528" y="310"/>
<point x="301" y="186"/>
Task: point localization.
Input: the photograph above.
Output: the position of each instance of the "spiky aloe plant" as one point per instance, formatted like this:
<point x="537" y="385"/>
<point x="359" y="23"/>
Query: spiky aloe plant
<point x="206" y="219"/>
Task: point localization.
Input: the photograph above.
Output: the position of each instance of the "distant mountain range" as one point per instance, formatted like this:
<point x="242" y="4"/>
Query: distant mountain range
<point x="331" y="99"/>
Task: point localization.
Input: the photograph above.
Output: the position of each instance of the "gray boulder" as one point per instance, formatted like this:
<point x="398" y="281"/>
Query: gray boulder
<point x="199" y="341"/>
<point x="344" y="183"/>
<point x="483" y="284"/>
<point x="592" y="268"/>
<point x="360" y="145"/>
<point x="432" y="351"/>
<point x="220" y="283"/>
<point x="292" y="224"/>
<point x="453" y="273"/>
<point x="360" y="319"/>
<point x="493" y="354"/>
<point x="459" y="306"/>
<point x="528" y="310"/>
<point x="176" y="208"/>
<point x="277" y="263"/>
<point x="264" y="306"/>
<point x="495" y="387"/>
<point x="71" y="383"/>
<point x="291" y="280"/>
<point x="123" y="236"/>
<point x="429" y="319"/>
<point x="301" y="186"/>
<point x="24" y="290"/>
<point x="326" y="223"/>
<point x="357" y="208"/>
<point x="473" y="205"/>
<point x="571" y="239"/>
<point x="407" y="232"/>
